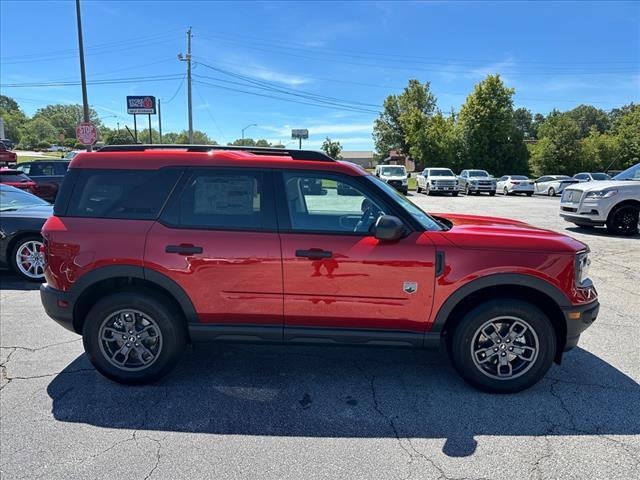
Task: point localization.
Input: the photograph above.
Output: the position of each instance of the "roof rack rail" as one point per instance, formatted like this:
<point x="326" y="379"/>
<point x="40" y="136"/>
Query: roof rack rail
<point x="285" y="152"/>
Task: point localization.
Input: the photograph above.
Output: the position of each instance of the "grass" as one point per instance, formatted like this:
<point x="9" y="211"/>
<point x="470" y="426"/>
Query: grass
<point x="41" y="156"/>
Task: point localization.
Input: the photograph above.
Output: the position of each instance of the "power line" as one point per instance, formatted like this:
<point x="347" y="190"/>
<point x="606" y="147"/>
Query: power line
<point x="177" y="90"/>
<point x="110" y="81"/>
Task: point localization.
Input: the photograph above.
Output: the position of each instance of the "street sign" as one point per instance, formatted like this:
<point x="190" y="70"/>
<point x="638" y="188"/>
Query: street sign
<point x="86" y="133"/>
<point x="300" y="133"/>
<point x="141" y="104"/>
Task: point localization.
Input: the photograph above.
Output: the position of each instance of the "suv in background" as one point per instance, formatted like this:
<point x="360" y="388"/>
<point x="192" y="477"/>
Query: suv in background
<point x="614" y="203"/>
<point x="47" y="174"/>
<point x="394" y="175"/>
<point x="7" y="157"/>
<point x="151" y="247"/>
<point x="441" y="180"/>
<point x="477" y="181"/>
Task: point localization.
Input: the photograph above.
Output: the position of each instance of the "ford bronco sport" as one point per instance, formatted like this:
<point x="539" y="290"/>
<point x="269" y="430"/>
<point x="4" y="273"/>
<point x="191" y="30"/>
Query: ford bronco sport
<point x="150" y="248"/>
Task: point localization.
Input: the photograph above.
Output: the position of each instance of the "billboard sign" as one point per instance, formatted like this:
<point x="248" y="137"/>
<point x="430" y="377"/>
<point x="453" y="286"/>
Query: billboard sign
<point x="300" y="133"/>
<point x="141" y="104"/>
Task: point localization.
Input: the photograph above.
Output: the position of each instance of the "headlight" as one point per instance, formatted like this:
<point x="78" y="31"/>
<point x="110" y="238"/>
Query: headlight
<point x="432" y="182"/>
<point x="582" y="267"/>
<point x="602" y="194"/>
<point x="457" y="182"/>
<point x="405" y="181"/>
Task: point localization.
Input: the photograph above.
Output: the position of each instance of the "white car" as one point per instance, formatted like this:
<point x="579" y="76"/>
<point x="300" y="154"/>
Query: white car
<point x="394" y="175"/>
<point x="614" y="203"/>
<point x="591" y="177"/>
<point x="441" y="180"/>
<point x="510" y="184"/>
<point x="552" y="185"/>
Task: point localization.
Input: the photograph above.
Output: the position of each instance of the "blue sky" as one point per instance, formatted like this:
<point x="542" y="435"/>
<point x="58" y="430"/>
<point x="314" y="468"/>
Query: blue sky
<point x="338" y="60"/>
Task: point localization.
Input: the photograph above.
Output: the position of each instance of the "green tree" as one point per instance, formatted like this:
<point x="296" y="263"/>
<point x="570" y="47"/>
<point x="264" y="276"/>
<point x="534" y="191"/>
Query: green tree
<point x="37" y="131"/>
<point x="250" y="142"/>
<point x="523" y="120"/>
<point x="588" y="117"/>
<point x="118" y="138"/>
<point x="598" y="150"/>
<point x="559" y="150"/>
<point x="65" y="118"/>
<point x="627" y="138"/>
<point x="331" y="148"/>
<point x="490" y="138"/>
<point x="397" y="127"/>
<point x="14" y="118"/>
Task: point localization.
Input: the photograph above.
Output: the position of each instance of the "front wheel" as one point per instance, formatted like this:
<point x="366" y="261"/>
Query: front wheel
<point x="418" y="189"/>
<point x="551" y="192"/>
<point x="529" y="194"/>
<point x="503" y="346"/>
<point x="134" y="337"/>
<point x="624" y="220"/>
<point x="455" y="194"/>
<point x="492" y="193"/>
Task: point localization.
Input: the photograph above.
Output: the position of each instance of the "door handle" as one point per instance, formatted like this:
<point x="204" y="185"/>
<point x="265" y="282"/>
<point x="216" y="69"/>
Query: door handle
<point x="183" y="249"/>
<point x="314" y="253"/>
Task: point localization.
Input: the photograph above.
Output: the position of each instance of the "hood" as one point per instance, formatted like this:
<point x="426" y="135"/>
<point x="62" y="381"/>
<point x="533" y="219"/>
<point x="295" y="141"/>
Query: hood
<point x="393" y="177"/>
<point x="471" y="179"/>
<point x="602" y="184"/>
<point x="493" y="233"/>
<point x="39" y="211"/>
<point x="443" y="177"/>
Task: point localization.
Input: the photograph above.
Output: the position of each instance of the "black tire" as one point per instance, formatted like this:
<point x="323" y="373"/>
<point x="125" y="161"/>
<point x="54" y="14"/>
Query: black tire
<point x="505" y="191"/>
<point x="467" y="190"/>
<point x="492" y="193"/>
<point x="623" y="220"/>
<point x="551" y="192"/>
<point x="466" y="333"/>
<point x="529" y="194"/>
<point x="427" y="190"/>
<point x="38" y="275"/>
<point x="418" y="189"/>
<point x="168" y="319"/>
<point x="455" y="194"/>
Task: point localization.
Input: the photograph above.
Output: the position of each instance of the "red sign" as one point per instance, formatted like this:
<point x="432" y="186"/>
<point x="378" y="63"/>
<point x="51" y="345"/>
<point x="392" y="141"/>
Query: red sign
<point x="86" y="133"/>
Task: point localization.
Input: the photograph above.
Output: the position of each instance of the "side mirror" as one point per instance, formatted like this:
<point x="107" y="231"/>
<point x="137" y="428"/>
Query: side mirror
<point x="409" y="175"/>
<point x="388" y="228"/>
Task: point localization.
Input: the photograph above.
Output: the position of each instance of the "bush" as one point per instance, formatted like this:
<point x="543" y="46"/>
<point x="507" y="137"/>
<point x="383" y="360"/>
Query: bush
<point x="43" y="145"/>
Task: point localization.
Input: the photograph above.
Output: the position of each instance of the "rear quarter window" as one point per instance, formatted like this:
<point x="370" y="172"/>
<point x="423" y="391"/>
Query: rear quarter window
<point x="117" y="194"/>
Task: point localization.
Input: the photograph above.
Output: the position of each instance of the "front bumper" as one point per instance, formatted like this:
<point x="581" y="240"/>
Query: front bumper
<point x="585" y="212"/>
<point x="58" y="305"/>
<point x="482" y="188"/>
<point x="578" y="319"/>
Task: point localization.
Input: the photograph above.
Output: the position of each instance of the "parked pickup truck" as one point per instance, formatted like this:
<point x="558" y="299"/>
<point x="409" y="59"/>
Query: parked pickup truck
<point x="47" y="174"/>
<point x="441" y="180"/>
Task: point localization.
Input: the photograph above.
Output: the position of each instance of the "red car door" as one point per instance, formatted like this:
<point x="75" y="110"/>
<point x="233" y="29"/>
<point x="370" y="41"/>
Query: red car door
<point x="338" y="278"/>
<point x="217" y="239"/>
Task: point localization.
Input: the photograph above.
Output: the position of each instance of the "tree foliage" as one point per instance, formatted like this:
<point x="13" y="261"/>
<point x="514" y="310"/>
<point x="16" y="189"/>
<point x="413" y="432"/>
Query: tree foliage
<point x="331" y="148"/>
<point x="250" y="142"/>
<point x="65" y="118"/>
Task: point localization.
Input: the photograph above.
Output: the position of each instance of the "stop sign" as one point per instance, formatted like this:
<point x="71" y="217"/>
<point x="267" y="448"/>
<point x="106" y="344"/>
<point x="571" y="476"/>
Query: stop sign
<point x="86" y="133"/>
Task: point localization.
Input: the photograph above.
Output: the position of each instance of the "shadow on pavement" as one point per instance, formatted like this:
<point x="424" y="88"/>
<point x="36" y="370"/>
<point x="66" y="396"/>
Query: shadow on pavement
<point x="598" y="232"/>
<point x="11" y="281"/>
<point x="349" y="392"/>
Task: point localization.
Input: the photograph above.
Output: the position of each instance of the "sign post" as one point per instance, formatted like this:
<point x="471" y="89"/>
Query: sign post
<point x="141" y="104"/>
<point x="300" y="133"/>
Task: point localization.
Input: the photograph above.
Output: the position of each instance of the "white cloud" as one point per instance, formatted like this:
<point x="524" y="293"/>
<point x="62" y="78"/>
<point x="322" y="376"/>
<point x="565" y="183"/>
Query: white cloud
<point x="270" y="75"/>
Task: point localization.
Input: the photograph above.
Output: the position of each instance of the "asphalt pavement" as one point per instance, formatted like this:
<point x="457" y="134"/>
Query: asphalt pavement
<point x="329" y="412"/>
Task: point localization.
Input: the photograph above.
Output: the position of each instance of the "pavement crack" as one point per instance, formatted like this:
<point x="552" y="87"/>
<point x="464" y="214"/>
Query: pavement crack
<point x="44" y="347"/>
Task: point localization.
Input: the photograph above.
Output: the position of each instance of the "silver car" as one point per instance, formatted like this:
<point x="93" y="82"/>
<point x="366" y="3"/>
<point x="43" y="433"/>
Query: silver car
<point x="552" y="185"/>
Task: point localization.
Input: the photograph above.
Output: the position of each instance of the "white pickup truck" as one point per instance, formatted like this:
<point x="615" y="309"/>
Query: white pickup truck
<point x="440" y="180"/>
<point x="614" y="203"/>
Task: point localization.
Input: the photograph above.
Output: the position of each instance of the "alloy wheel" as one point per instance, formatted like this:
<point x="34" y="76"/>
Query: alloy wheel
<point x="130" y="340"/>
<point x="505" y="348"/>
<point x="626" y="220"/>
<point x="30" y="259"/>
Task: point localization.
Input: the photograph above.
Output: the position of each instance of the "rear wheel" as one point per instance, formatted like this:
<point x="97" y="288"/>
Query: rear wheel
<point x="551" y="192"/>
<point x="134" y="337"/>
<point x="503" y="346"/>
<point x="623" y="220"/>
<point x="27" y="259"/>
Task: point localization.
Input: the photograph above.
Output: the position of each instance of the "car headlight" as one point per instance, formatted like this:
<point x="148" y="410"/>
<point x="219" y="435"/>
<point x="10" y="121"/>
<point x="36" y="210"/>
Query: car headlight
<point x="457" y="182"/>
<point x="405" y="181"/>
<point x="432" y="182"/>
<point x="602" y="194"/>
<point x="582" y="267"/>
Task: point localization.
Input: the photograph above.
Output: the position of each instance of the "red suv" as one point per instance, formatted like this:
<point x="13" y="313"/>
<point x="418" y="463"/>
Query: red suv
<point x="150" y="248"/>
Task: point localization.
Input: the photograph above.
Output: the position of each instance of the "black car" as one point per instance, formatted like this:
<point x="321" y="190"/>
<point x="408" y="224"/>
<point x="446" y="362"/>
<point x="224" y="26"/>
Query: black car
<point x="21" y="218"/>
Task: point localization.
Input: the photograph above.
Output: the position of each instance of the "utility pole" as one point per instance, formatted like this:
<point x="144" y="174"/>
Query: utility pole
<point x="159" y="121"/>
<point x="189" y="84"/>
<point x="83" y="78"/>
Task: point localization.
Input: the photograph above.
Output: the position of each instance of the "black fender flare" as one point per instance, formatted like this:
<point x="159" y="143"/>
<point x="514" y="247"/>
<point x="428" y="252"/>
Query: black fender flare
<point x="132" y="271"/>
<point x="495" y="280"/>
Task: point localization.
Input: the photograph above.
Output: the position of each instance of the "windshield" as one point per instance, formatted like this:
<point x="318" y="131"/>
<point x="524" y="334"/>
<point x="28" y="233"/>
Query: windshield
<point x="631" y="173"/>
<point x="393" y="171"/>
<point x="478" y="173"/>
<point x="518" y="177"/>
<point x="600" y="176"/>
<point x="421" y="217"/>
<point x="14" y="199"/>
<point x="441" y="172"/>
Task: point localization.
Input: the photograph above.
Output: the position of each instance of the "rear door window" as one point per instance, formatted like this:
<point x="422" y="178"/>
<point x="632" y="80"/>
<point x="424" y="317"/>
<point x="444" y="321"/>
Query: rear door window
<point x="120" y="194"/>
<point x="223" y="199"/>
